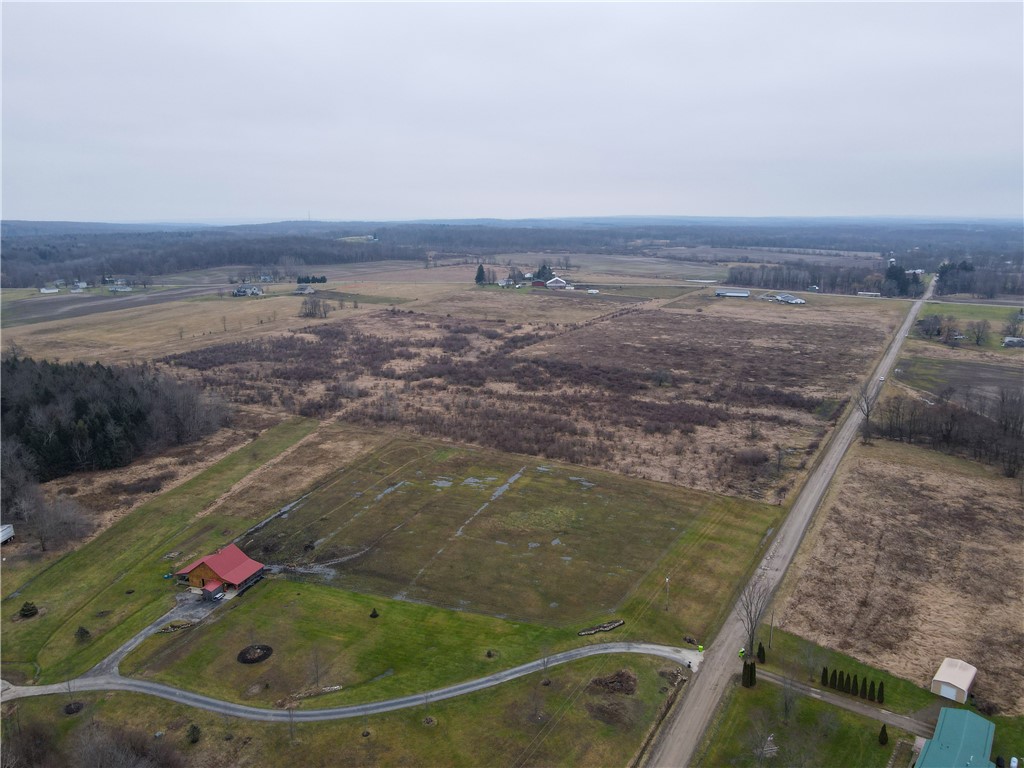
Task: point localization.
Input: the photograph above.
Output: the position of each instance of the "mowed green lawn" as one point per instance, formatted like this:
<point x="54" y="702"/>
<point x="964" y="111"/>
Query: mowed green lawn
<point x="114" y="585"/>
<point x="323" y="636"/>
<point x="815" y="733"/>
<point x="515" y="537"/>
<point x="996" y="315"/>
<point x="519" y="723"/>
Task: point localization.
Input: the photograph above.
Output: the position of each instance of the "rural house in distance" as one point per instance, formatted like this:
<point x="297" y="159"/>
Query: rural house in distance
<point x="224" y="574"/>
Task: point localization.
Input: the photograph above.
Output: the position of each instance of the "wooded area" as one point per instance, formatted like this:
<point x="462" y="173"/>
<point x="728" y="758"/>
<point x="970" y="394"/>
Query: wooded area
<point x="58" y="418"/>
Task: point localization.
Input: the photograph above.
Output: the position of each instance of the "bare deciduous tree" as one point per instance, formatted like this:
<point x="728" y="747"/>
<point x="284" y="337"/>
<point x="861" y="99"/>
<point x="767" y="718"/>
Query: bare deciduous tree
<point x="865" y="404"/>
<point x="787" y="699"/>
<point x="752" y="604"/>
<point x="316" y="664"/>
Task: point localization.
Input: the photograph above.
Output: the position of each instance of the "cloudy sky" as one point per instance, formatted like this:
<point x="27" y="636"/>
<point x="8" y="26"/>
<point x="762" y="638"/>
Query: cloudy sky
<point x="261" y="111"/>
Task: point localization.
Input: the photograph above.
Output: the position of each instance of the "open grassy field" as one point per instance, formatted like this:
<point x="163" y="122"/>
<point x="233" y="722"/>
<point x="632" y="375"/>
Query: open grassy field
<point x="961" y="379"/>
<point x="114" y="585"/>
<point x="997" y="315"/>
<point x="911" y="560"/>
<point x="507" y="535"/>
<point x="802" y="660"/>
<point x="815" y="733"/>
<point x="566" y="722"/>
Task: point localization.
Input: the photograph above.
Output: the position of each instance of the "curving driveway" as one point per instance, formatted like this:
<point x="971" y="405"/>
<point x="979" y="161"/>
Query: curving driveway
<point x="112" y="681"/>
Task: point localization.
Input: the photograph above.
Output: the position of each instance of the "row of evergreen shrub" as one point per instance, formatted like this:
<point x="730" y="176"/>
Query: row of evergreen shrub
<point x="844" y="682"/>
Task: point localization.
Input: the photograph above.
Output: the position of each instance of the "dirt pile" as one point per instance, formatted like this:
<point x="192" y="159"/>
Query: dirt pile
<point x="624" y="681"/>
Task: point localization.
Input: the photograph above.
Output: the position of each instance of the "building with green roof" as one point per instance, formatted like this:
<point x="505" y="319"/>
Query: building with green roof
<point x="962" y="740"/>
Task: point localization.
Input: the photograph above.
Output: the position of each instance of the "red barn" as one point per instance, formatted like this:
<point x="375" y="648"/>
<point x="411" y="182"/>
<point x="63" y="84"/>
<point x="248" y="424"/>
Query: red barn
<point x="226" y="573"/>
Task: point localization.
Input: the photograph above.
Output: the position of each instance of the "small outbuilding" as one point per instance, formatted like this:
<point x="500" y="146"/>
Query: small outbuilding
<point x="6" y="533"/>
<point x="788" y="298"/>
<point x="227" y="572"/>
<point x="556" y="282"/>
<point x="962" y="740"/>
<point x="731" y="293"/>
<point x="954" y="680"/>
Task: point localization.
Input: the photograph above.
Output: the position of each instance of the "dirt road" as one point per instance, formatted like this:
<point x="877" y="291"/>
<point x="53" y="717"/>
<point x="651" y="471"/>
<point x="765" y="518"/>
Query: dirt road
<point x="682" y="730"/>
<point x="851" y="704"/>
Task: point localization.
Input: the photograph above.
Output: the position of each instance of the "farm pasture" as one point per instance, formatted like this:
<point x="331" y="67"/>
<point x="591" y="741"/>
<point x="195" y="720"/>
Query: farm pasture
<point x="506" y="535"/>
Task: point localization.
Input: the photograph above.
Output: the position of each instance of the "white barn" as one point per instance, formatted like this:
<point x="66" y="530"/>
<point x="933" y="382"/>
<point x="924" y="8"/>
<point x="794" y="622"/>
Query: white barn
<point x="954" y="680"/>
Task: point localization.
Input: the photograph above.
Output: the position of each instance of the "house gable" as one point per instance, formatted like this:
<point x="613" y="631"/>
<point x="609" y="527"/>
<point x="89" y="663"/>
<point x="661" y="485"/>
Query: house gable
<point x="229" y="565"/>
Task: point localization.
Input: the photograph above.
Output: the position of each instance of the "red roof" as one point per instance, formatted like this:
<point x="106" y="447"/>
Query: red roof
<point x="212" y="586"/>
<point x="231" y="564"/>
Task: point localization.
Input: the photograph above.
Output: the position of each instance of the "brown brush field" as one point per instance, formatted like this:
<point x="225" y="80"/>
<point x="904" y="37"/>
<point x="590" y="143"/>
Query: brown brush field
<point x="658" y="381"/>
<point x="916" y="557"/>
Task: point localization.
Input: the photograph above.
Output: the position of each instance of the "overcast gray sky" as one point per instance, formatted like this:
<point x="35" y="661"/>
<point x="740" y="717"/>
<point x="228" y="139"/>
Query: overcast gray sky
<point x="253" y="111"/>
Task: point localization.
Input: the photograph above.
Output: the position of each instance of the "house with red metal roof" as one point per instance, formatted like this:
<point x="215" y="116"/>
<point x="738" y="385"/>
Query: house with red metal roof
<point x="223" y="574"/>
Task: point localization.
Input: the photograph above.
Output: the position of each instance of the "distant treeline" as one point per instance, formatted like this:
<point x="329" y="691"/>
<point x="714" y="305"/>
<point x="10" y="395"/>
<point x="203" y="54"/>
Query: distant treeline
<point x="988" y="278"/>
<point x="306" y="279"/>
<point x="801" y="276"/>
<point x="37" y="252"/>
<point x="34" y="261"/>
<point x="981" y="280"/>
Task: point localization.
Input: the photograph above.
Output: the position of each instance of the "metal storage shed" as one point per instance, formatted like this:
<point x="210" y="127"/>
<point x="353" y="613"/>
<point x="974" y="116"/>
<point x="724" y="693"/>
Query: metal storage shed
<point x="962" y="740"/>
<point x="954" y="680"/>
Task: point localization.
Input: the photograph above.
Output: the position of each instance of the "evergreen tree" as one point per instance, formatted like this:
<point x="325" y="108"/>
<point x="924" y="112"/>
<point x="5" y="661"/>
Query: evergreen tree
<point x="864" y="688"/>
<point x="832" y="681"/>
<point x="481" y="278"/>
<point x="745" y="679"/>
<point x="847" y="683"/>
<point x="871" y="691"/>
<point x="855" y="687"/>
<point x="824" y="676"/>
<point x="883" y="736"/>
<point x="881" y="693"/>
<point x="760" y="652"/>
<point x="753" y="674"/>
